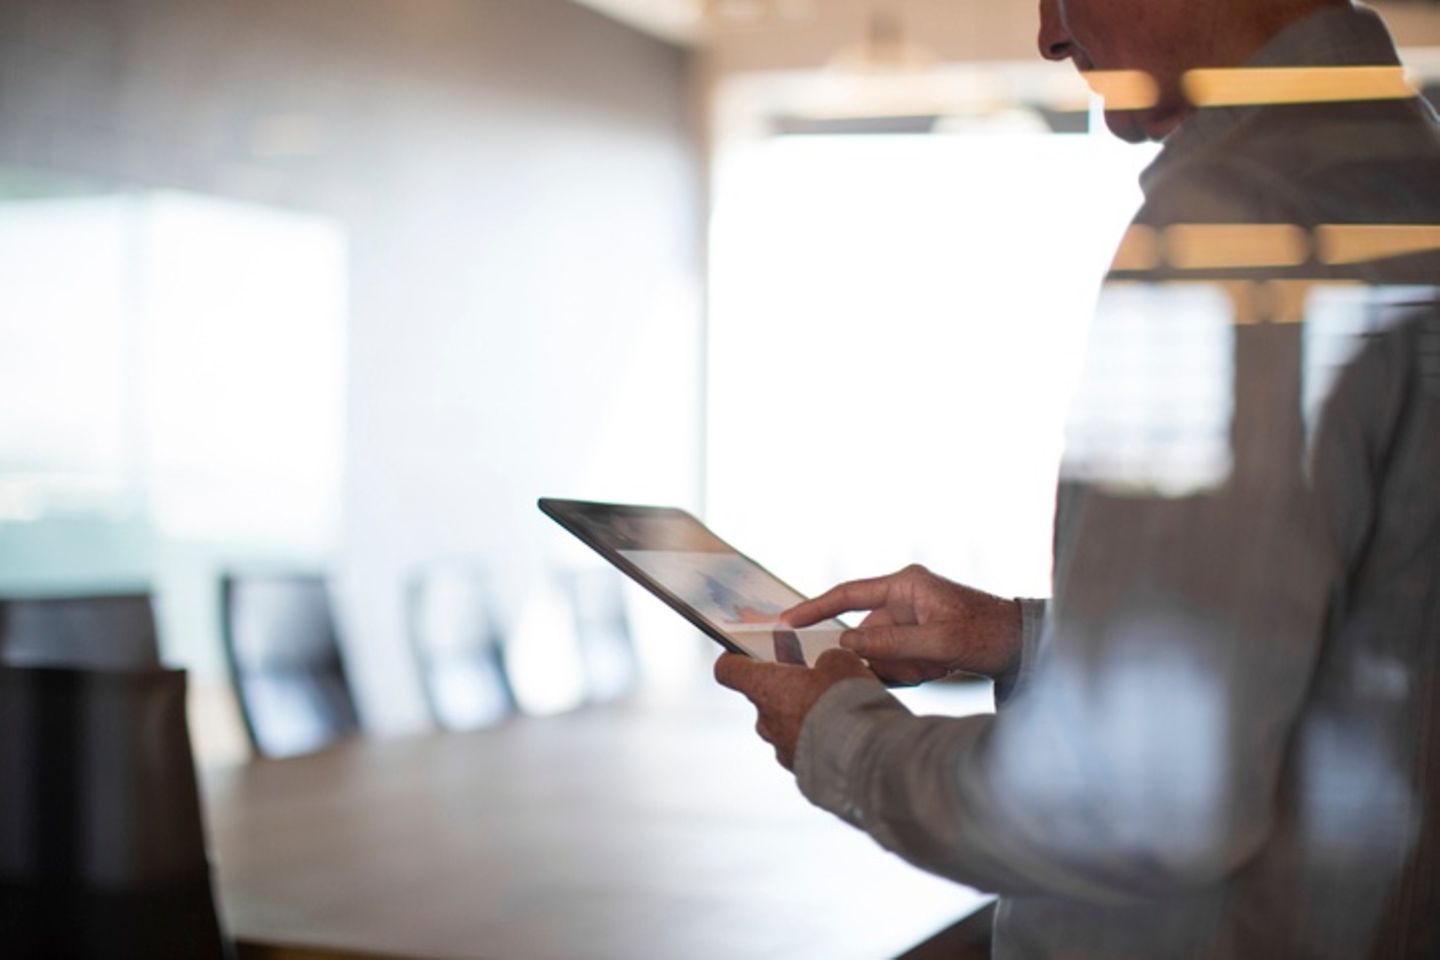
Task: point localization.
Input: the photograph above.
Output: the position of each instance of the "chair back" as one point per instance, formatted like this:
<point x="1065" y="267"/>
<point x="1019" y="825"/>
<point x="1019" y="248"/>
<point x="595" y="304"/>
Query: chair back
<point x="602" y="629"/>
<point x="459" y="646"/>
<point x="284" y="656"/>
<point x="102" y="632"/>
<point x="102" y="846"/>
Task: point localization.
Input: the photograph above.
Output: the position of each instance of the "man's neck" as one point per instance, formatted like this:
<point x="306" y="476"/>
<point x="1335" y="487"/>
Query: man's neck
<point x="1253" y="32"/>
<point x="1327" y="34"/>
<point x="1234" y="34"/>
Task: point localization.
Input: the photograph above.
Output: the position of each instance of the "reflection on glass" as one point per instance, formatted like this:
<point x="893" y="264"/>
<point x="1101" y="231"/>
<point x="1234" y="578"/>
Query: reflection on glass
<point x="171" y="390"/>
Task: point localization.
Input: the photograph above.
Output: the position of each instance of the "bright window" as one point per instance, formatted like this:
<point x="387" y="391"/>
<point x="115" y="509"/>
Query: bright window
<point x="897" y="327"/>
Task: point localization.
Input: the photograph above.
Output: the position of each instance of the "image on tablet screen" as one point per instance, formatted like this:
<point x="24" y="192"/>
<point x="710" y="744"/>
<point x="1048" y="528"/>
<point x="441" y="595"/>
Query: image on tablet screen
<point x="740" y="598"/>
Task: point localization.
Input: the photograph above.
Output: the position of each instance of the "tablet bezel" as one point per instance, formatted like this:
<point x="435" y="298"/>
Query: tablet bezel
<point x="556" y="509"/>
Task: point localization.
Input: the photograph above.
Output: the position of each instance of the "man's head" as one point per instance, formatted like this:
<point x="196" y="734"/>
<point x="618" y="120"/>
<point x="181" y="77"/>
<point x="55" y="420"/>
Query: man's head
<point x="1163" y="38"/>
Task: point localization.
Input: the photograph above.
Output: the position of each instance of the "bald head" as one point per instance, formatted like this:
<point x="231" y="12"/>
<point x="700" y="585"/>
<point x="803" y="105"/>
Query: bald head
<point x="1165" y="39"/>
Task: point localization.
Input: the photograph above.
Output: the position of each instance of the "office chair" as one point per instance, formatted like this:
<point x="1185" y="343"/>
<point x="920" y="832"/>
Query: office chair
<point x="285" y="661"/>
<point x="602" y="630"/>
<point x="459" y="646"/>
<point x="102" y="847"/>
<point x="97" y="632"/>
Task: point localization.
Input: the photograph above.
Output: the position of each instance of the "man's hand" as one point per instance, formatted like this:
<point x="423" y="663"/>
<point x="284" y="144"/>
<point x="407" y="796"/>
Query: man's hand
<point x="784" y="694"/>
<point x="921" y="626"/>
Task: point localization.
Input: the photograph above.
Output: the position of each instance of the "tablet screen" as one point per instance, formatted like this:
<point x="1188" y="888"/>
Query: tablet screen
<point x="723" y="592"/>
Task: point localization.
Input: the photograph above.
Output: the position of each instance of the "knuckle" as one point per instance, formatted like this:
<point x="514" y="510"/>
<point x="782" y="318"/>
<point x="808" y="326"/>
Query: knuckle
<point x="835" y="661"/>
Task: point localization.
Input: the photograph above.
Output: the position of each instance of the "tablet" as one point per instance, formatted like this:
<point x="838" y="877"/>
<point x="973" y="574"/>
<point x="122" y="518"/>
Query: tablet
<point x="729" y="597"/>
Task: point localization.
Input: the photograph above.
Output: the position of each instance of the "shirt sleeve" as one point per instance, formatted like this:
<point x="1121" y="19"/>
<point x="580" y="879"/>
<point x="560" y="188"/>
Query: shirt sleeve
<point x="916" y="785"/>
<point x="1141" y="750"/>
<point x="1032" y="625"/>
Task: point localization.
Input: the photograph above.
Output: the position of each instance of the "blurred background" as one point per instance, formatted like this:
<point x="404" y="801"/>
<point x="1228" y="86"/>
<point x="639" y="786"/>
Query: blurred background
<point x="323" y="294"/>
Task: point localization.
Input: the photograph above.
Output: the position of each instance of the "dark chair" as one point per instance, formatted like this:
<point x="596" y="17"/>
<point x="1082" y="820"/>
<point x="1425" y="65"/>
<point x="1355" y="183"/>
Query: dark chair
<point x="284" y="657"/>
<point x="459" y="646"/>
<point x="100" y="632"/>
<point x="966" y="939"/>
<point x="602" y="630"/>
<point x="102" y="847"/>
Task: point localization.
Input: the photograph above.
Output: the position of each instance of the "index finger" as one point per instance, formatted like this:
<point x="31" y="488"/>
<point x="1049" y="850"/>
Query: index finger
<point x="845" y="598"/>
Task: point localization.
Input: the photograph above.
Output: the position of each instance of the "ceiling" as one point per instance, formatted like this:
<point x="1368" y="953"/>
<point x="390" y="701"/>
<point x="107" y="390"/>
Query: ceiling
<point x="957" y="30"/>
<point x="678" y="21"/>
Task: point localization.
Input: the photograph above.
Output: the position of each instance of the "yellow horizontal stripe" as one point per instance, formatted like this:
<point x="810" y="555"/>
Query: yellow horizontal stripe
<point x="1346" y="243"/>
<point x="1249" y="246"/>
<point x="1124" y="89"/>
<point x="1236" y="246"/>
<point x="1252" y="86"/>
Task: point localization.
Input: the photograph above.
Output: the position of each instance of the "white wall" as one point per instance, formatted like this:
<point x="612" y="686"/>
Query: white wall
<point x="517" y="182"/>
<point x="528" y="325"/>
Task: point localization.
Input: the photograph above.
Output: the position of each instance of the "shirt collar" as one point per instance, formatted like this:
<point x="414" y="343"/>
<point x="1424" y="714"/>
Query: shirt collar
<point x="1333" y="37"/>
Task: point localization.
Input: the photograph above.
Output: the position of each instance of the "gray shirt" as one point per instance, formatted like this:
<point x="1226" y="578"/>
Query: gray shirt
<point x="1221" y="741"/>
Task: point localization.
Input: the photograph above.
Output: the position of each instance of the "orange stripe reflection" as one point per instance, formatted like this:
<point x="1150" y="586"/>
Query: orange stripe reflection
<point x="1124" y="89"/>
<point x="1139" y="249"/>
<point x="1268" y="85"/>
<point x="1248" y="246"/>
<point x="1345" y="243"/>
<point x="1236" y="246"/>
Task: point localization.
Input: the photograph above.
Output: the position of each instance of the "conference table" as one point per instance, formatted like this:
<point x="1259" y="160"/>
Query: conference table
<point x="652" y="828"/>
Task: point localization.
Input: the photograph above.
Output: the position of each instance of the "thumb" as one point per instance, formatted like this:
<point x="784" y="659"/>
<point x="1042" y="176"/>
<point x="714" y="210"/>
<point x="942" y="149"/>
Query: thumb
<point x="734" y="671"/>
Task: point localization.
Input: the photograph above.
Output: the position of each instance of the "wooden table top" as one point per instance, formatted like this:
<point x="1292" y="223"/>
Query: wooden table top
<point x="656" y="830"/>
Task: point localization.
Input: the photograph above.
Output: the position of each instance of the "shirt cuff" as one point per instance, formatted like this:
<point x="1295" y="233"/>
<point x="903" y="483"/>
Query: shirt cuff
<point x="1032" y="627"/>
<point x="832" y="738"/>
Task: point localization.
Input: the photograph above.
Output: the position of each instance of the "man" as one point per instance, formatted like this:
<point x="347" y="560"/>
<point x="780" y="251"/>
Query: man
<point x="1218" y="737"/>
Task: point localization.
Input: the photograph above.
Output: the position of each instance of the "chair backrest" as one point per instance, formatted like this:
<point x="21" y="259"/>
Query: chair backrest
<point x="102" y="845"/>
<point x="100" y="632"/>
<point x="602" y="629"/>
<point x="459" y="646"/>
<point x="284" y="656"/>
